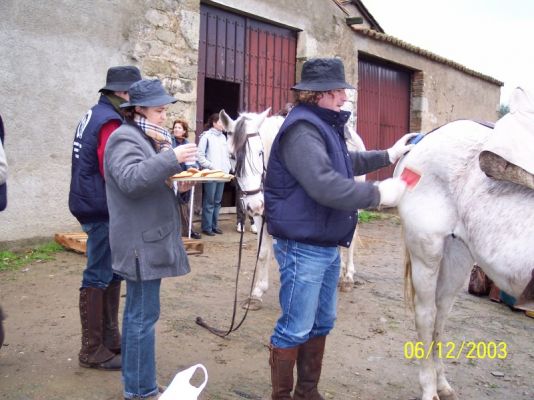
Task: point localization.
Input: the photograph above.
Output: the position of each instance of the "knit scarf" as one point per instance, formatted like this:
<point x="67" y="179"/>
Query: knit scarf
<point x="160" y="137"/>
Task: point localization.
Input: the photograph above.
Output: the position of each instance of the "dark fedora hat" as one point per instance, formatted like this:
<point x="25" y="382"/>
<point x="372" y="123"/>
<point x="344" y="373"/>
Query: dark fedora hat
<point x="322" y="74"/>
<point x="148" y="93"/>
<point x="119" y="79"/>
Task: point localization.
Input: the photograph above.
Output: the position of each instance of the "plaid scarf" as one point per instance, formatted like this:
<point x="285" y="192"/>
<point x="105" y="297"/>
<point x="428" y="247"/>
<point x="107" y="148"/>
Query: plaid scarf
<point x="160" y="137"/>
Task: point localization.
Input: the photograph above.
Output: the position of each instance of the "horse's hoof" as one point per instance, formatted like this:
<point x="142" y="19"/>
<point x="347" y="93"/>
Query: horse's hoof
<point x="346" y="286"/>
<point x="251" y="304"/>
<point x="449" y="395"/>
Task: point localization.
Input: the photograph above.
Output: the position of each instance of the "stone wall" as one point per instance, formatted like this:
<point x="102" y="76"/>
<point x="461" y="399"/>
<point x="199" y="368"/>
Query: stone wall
<point x="165" y="46"/>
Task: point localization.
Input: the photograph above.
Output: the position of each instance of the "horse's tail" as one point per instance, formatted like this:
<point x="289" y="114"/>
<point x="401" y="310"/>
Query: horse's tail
<point x="409" y="292"/>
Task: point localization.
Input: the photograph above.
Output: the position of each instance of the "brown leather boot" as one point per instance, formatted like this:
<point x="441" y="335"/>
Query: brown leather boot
<point x="112" y="335"/>
<point x="93" y="353"/>
<point x="282" y="362"/>
<point x="309" y="364"/>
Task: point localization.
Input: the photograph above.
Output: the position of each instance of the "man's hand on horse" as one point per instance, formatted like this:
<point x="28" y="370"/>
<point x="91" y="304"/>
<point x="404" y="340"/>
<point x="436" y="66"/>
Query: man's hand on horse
<point x="400" y="147"/>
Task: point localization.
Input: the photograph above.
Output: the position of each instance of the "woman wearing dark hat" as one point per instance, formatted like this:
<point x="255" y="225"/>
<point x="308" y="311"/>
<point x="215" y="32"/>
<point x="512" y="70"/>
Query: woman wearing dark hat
<point x="311" y="207"/>
<point x="144" y="224"/>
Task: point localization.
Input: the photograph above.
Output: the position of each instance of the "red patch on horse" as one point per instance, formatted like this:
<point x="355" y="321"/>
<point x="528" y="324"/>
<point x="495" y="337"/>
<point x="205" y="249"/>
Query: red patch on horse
<point x="411" y="177"/>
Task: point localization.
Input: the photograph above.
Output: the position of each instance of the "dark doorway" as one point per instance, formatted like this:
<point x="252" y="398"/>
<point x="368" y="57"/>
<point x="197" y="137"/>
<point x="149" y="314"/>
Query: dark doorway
<point x="220" y="95"/>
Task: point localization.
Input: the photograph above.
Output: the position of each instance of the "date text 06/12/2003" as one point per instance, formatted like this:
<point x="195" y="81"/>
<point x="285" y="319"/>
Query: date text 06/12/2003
<point x="452" y="350"/>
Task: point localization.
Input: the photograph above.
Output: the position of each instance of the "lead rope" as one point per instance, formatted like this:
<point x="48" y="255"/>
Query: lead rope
<point x="220" y="332"/>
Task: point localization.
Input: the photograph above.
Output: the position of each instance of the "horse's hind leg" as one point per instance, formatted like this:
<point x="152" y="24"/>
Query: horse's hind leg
<point x="425" y="260"/>
<point x="346" y="277"/>
<point x="455" y="267"/>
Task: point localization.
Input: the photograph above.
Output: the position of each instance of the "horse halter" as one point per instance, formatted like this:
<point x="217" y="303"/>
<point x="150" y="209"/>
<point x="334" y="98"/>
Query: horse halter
<point x="245" y="193"/>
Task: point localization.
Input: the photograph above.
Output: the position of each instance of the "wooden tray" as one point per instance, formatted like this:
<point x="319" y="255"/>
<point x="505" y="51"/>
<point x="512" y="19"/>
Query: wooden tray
<point x="202" y="179"/>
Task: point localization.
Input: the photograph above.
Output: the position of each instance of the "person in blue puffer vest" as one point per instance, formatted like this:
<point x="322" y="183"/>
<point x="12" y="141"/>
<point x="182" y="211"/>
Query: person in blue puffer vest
<point x="100" y="287"/>
<point x="311" y="203"/>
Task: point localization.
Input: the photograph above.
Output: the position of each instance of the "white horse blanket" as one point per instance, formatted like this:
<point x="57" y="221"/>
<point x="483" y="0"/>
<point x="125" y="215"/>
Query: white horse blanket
<point x="512" y="141"/>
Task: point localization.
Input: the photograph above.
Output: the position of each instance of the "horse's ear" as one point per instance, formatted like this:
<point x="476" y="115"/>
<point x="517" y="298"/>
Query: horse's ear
<point x="227" y="122"/>
<point x="264" y="114"/>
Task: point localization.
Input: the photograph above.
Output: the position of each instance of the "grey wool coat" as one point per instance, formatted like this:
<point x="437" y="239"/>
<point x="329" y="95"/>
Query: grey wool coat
<point x="144" y="220"/>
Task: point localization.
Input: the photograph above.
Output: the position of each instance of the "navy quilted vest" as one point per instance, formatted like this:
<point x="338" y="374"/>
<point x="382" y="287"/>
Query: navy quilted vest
<point x="290" y="212"/>
<point x="87" y="196"/>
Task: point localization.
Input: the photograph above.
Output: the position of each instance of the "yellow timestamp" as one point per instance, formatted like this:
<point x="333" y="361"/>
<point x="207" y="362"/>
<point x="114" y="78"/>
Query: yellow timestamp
<point x="451" y="350"/>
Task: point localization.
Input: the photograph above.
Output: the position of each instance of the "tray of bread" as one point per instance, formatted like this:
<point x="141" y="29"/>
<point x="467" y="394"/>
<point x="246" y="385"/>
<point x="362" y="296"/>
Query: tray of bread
<point x="205" y="175"/>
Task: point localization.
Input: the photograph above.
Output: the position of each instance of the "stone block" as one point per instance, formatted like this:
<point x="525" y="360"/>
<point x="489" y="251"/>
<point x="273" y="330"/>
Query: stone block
<point x="157" y="18"/>
<point x="166" y="36"/>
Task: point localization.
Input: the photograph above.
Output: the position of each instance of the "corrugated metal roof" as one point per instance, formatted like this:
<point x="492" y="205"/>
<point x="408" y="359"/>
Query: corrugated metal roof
<point x="422" y="52"/>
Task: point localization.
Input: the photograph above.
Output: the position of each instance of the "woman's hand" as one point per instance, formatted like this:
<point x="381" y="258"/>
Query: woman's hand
<point x="186" y="153"/>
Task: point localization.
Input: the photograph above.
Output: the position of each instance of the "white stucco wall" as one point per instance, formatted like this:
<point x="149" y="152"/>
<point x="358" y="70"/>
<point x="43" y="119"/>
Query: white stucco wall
<point x="55" y="55"/>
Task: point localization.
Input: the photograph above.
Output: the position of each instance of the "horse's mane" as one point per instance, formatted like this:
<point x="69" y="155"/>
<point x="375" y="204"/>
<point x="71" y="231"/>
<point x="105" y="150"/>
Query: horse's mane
<point x="240" y="145"/>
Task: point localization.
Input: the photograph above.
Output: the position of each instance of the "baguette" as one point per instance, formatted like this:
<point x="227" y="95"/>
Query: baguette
<point x="206" y="172"/>
<point x="216" y="174"/>
<point x="183" y="174"/>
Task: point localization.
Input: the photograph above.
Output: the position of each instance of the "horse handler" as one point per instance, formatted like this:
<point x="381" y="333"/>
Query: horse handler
<point x="311" y="204"/>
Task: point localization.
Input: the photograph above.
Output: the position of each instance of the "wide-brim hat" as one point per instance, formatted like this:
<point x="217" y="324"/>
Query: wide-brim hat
<point x="148" y="93"/>
<point x="322" y="74"/>
<point x="119" y="79"/>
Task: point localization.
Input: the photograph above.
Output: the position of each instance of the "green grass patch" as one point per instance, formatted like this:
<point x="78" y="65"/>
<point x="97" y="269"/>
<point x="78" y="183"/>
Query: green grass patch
<point x="10" y="261"/>
<point x="368" y="216"/>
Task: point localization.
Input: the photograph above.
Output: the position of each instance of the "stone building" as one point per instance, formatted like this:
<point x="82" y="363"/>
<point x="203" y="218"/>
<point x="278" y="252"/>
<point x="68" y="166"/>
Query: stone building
<point x="236" y="54"/>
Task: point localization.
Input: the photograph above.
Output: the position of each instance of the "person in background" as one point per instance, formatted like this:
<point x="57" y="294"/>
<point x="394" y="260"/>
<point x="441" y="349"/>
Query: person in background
<point x="311" y="203"/>
<point x="213" y="154"/>
<point x="144" y="224"/>
<point x="100" y="288"/>
<point x="180" y="131"/>
<point x="3" y="203"/>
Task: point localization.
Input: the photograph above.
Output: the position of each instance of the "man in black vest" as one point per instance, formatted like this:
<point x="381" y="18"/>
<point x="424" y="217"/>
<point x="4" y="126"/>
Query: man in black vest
<point x="311" y="203"/>
<point x="100" y="289"/>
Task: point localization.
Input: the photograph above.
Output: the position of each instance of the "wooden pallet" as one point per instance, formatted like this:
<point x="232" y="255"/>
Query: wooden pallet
<point x="193" y="246"/>
<point x="77" y="241"/>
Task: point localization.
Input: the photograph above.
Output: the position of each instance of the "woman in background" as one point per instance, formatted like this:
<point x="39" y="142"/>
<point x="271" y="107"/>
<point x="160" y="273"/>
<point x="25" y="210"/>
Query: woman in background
<point x="213" y="154"/>
<point x="180" y="131"/>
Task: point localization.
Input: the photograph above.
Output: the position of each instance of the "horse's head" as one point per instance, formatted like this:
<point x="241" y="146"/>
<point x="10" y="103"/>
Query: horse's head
<point x="246" y="147"/>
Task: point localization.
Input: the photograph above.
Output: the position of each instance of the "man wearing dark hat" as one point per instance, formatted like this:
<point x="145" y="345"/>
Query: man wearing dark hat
<point x="311" y="203"/>
<point x="100" y="289"/>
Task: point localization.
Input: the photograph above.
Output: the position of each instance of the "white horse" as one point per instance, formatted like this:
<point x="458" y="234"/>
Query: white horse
<point x="250" y="138"/>
<point x="453" y="217"/>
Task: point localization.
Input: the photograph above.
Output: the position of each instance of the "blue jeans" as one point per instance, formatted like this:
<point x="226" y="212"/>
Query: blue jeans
<point x="308" y="291"/>
<point x="211" y="205"/>
<point x="141" y="312"/>
<point x="98" y="272"/>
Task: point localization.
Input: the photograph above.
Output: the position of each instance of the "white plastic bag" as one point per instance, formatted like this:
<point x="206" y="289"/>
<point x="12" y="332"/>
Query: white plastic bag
<point x="180" y="387"/>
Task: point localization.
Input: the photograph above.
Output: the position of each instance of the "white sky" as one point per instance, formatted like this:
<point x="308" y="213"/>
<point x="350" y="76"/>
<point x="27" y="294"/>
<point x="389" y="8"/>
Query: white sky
<point x="493" y="37"/>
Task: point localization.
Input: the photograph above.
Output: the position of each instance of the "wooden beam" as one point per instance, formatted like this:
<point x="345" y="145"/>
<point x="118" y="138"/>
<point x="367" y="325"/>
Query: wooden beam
<point x="354" y="21"/>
